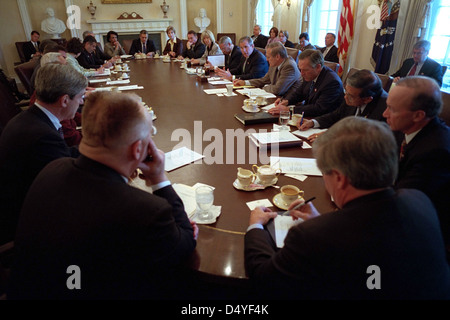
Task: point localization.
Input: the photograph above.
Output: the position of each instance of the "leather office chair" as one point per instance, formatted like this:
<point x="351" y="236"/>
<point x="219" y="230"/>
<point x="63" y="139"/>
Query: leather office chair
<point x="262" y="50"/>
<point x="232" y="36"/>
<point x="332" y="65"/>
<point x="6" y="257"/>
<point x="9" y="108"/>
<point x="127" y="45"/>
<point x="386" y="81"/>
<point x="24" y="71"/>
<point x="19" y="46"/>
<point x="349" y="73"/>
<point x="294" y="53"/>
<point x="445" y="113"/>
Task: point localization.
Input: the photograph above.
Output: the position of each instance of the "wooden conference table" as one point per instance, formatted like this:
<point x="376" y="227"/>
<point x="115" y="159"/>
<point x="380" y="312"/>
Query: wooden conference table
<point x="178" y="101"/>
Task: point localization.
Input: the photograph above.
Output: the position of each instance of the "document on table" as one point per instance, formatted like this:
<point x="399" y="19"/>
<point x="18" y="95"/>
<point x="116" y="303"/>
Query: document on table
<point x="99" y="80"/>
<point x="217" y="82"/>
<point x="218" y="60"/>
<point x="256" y="92"/>
<point x="305" y="134"/>
<point x="180" y="157"/>
<point x="305" y="166"/>
<point x="106" y="72"/>
<point x="282" y="225"/>
<point x="118" y="82"/>
<point x="215" y="91"/>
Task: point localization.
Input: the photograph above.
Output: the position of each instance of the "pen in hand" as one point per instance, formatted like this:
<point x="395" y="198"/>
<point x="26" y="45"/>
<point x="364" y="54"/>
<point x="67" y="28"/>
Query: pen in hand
<point x="288" y="212"/>
<point x="301" y="121"/>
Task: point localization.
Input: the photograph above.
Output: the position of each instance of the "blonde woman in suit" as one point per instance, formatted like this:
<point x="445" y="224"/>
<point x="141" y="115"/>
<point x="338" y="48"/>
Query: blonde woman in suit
<point x="212" y="48"/>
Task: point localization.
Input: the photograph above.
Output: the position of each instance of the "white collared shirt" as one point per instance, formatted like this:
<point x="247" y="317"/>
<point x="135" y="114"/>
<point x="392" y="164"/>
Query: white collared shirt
<point x="410" y="136"/>
<point x="50" y="115"/>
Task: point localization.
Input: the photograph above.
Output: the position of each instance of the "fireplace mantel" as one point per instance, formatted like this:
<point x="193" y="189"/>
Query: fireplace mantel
<point x="130" y="26"/>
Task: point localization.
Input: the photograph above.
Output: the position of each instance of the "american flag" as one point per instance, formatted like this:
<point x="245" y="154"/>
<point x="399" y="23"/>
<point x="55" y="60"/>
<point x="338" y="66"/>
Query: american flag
<point x="345" y="32"/>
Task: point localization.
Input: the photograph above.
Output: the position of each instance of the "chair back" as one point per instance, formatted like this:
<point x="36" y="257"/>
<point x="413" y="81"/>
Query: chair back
<point x="19" y="47"/>
<point x="445" y="113"/>
<point x="262" y="50"/>
<point x="24" y="71"/>
<point x="386" y="81"/>
<point x="232" y="36"/>
<point x="126" y="43"/>
<point x="294" y="53"/>
<point x="6" y="260"/>
<point x="332" y="65"/>
<point x="8" y="107"/>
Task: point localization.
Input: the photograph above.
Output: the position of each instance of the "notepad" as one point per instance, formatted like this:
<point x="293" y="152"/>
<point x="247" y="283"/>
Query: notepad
<point x="305" y="134"/>
<point x="180" y="157"/>
<point x="282" y="139"/>
<point x="305" y="166"/>
<point x="217" y="61"/>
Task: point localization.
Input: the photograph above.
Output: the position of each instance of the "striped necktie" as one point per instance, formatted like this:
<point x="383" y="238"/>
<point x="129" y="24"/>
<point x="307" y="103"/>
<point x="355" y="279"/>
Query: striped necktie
<point x="402" y="149"/>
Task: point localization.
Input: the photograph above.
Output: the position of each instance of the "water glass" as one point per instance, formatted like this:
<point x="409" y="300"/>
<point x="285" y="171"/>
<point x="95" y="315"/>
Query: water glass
<point x="204" y="196"/>
<point x="284" y="119"/>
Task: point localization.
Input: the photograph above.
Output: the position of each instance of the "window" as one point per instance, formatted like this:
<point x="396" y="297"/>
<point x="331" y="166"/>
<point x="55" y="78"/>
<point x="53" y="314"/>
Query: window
<point x="439" y="36"/>
<point x="324" y="19"/>
<point x="264" y="13"/>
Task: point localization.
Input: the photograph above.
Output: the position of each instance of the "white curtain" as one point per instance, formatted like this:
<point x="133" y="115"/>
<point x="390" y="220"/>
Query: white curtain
<point x="415" y="21"/>
<point x="306" y="15"/>
<point x="275" y="19"/>
<point x="253" y="15"/>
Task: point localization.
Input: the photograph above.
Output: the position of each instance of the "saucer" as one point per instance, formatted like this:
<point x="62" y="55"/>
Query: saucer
<point x="250" y="187"/>
<point x="278" y="201"/>
<point x="273" y="182"/>
<point x="250" y="110"/>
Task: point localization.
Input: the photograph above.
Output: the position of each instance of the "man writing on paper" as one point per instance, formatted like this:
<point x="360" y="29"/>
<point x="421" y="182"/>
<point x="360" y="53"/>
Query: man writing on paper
<point x="283" y="74"/>
<point x="128" y="243"/>
<point x="332" y="256"/>
<point x="253" y="64"/>
<point x="320" y="92"/>
<point x="364" y="97"/>
<point x="413" y="106"/>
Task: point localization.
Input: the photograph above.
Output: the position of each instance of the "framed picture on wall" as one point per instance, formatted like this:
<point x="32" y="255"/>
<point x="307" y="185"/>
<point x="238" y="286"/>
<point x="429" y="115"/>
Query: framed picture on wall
<point x="125" y="1"/>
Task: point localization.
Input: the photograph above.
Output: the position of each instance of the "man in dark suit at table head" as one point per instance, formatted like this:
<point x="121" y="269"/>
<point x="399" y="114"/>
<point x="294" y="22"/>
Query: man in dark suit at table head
<point x="283" y="74"/>
<point x="194" y="47"/>
<point x="364" y="97"/>
<point x="127" y="242"/>
<point x="420" y="64"/>
<point x="320" y="92"/>
<point x="413" y="108"/>
<point x="31" y="48"/>
<point x="259" y="40"/>
<point x="33" y="139"/>
<point x="330" y="50"/>
<point x="143" y="45"/>
<point x="253" y="64"/>
<point x="380" y="244"/>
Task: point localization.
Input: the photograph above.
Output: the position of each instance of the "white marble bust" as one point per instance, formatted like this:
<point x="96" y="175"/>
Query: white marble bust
<point x="53" y="25"/>
<point x="202" y="21"/>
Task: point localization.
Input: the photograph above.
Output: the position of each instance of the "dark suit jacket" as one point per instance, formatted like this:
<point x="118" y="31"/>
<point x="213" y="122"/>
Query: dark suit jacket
<point x="29" y="49"/>
<point x="289" y="44"/>
<point x="127" y="242"/>
<point x="373" y="110"/>
<point x="177" y="47"/>
<point x="89" y="60"/>
<point x="256" y="66"/>
<point x="430" y="69"/>
<point x="426" y="166"/>
<point x="327" y="94"/>
<point x="331" y="55"/>
<point x="27" y="144"/>
<point x="233" y="59"/>
<point x="328" y="257"/>
<point x="195" y="52"/>
<point x="260" y="41"/>
<point x="136" y="46"/>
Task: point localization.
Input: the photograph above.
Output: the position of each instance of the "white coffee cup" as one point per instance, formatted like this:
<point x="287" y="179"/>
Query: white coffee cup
<point x="245" y="177"/>
<point x="290" y="193"/>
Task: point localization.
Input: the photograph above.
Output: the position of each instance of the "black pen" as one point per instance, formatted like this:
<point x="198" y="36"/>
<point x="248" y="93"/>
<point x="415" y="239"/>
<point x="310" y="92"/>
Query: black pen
<point x="288" y="212"/>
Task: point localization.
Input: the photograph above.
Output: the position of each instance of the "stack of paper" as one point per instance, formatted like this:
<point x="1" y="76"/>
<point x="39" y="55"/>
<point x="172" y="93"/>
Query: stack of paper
<point x="256" y="92"/>
<point x="278" y="138"/>
<point x="180" y="157"/>
<point x="305" y="166"/>
<point x="306" y="133"/>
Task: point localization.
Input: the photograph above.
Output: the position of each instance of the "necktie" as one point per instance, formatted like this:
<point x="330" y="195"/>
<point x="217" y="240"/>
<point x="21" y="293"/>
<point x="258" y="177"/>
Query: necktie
<point x="36" y="47"/>
<point x="358" y="112"/>
<point x="413" y="70"/>
<point x="311" y="89"/>
<point x="402" y="149"/>
<point x="144" y="49"/>
<point x="243" y="68"/>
